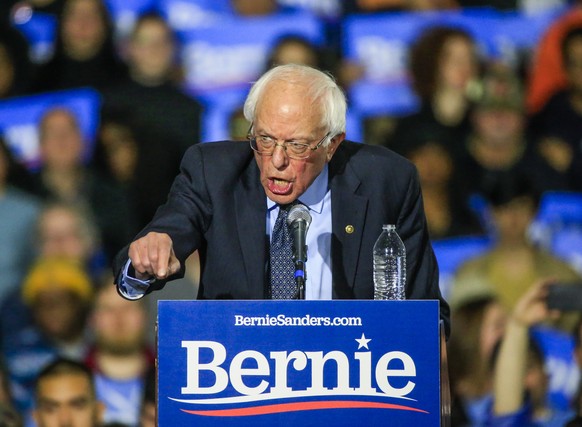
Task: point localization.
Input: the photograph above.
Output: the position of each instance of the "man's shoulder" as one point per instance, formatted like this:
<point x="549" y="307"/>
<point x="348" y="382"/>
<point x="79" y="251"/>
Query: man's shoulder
<point x="222" y="148"/>
<point x="220" y="157"/>
<point x="370" y="150"/>
<point x="374" y="158"/>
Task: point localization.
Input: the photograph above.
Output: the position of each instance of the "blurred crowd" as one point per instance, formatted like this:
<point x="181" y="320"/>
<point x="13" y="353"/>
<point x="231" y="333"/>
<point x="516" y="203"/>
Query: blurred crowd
<point x="493" y="142"/>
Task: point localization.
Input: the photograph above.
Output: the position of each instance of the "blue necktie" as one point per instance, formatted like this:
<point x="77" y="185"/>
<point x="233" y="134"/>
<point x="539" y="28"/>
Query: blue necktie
<point x="281" y="255"/>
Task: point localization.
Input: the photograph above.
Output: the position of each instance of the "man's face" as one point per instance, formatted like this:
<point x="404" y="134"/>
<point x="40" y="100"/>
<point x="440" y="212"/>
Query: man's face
<point x="151" y="51"/>
<point x="514" y="218"/>
<point x="83" y="28"/>
<point x="498" y="127"/>
<point x="61" y="142"/>
<point x="61" y="236"/>
<point x="284" y="113"/>
<point x="67" y="400"/>
<point x="59" y="313"/>
<point x="119" y="324"/>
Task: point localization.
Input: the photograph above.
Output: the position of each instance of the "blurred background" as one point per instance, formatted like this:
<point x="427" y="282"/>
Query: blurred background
<point x="99" y="99"/>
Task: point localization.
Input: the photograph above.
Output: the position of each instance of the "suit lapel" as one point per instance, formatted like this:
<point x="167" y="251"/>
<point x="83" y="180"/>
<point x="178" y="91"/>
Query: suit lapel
<point x="348" y="219"/>
<point x="250" y="213"/>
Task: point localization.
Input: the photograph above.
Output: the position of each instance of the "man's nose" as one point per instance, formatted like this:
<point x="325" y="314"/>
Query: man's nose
<point x="279" y="157"/>
<point x="65" y="418"/>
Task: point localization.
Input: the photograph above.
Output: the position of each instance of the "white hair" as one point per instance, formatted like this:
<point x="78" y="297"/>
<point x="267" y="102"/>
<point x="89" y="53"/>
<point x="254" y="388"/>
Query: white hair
<point x="320" y="87"/>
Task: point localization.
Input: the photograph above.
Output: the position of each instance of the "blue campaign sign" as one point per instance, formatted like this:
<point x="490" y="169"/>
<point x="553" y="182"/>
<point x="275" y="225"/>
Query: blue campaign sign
<point x="373" y="99"/>
<point x="39" y="29"/>
<point x="307" y="363"/>
<point x="20" y="117"/>
<point x="516" y="35"/>
<point x="184" y="15"/>
<point x="380" y="43"/>
<point x="559" y="360"/>
<point x="234" y="51"/>
<point x="124" y="13"/>
<point x="328" y="9"/>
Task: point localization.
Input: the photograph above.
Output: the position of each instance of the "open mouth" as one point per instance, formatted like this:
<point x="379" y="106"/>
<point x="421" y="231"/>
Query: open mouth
<point x="279" y="186"/>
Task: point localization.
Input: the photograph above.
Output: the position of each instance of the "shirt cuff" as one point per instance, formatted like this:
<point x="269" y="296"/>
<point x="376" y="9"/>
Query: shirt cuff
<point x="132" y="288"/>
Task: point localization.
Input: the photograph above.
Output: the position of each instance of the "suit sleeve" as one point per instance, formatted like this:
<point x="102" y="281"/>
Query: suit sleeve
<point x="184" y="217"/>
<point x="422" y="268"/>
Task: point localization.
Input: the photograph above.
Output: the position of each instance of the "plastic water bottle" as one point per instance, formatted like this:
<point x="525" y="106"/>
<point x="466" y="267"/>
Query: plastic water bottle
<point x="389" y="265"/>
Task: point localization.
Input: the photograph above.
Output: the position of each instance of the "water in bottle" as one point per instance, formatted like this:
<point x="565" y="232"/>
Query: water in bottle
<point x="389" y="265"/>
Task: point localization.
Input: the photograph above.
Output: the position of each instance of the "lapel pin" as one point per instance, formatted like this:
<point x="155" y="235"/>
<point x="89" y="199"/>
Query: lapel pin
<point x="349" y="229"/>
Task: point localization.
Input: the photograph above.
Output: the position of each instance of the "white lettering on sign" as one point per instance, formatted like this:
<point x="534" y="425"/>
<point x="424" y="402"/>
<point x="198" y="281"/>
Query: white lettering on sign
<point x="23" y="139"/>
<point x="209" y="65"/>
<point x="283" y="363"/>
<point x="383" y="59"/>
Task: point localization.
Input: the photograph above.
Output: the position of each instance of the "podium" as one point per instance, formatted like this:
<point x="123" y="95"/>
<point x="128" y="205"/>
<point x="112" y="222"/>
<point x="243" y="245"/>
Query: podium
<point x="304" y="363"/>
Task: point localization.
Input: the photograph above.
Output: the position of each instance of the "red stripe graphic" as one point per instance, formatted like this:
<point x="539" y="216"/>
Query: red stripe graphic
<point x="299" y="406"/>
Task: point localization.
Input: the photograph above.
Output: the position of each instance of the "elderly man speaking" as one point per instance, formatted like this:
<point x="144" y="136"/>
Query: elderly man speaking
<point x="230" y="197"/>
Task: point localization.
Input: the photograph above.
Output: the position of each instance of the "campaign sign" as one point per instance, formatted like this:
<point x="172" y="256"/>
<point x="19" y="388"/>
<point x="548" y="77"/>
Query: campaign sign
<point x="305" y="363"/>
<point x="234" y="51"/>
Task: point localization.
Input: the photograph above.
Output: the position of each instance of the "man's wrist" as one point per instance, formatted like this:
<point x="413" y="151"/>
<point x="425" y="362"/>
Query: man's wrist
<point x="129" y="286"/>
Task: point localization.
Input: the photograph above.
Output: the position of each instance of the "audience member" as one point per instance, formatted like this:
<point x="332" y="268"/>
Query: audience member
<point x="447" y="214"/>
<point x="546" y="71"/>
<point x="498" y="143"/>
<point x="60" y="230"/>
<point x="559" y="123"/>
<point x="166" y="120"/>
<point x="18" y="213"/>
<point x="58" y="293"/>
<point x="520" y="381"/>
<point x="65" y="230"/>
<point x="120" y="356"/>
<point x="293" y="49"/>
<point x="514" y="263"/>
<point x="119" y="149"/>
<point x="65" y="396"/>
<point x="64" y="177"/>
<point x="84" y="54"/>
<point x="443" y="62"/>
<point x="479" y="322"/>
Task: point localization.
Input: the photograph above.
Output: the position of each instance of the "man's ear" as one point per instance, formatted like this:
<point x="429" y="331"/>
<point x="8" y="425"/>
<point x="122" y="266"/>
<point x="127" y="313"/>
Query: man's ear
<point x="334" y="143"/>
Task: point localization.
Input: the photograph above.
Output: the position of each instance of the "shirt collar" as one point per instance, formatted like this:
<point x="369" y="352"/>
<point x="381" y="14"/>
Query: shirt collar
<point x="313" y="196"/>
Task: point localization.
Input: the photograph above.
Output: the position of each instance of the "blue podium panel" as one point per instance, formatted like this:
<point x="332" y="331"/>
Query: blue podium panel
<point x="306" y="363"/>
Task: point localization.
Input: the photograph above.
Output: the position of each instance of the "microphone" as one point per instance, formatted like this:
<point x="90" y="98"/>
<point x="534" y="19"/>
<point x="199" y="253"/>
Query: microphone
<point x="298" y="221"/>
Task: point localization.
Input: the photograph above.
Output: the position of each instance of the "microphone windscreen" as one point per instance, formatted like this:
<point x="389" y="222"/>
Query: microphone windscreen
<point x="299" y="212"/>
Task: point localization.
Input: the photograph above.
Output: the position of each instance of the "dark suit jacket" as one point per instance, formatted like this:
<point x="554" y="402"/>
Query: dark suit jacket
<point x="218" y="206"/>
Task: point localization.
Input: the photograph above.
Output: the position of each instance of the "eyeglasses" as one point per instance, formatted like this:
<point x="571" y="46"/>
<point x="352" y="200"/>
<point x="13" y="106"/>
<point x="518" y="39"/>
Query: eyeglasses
<point x="265" y="146"/>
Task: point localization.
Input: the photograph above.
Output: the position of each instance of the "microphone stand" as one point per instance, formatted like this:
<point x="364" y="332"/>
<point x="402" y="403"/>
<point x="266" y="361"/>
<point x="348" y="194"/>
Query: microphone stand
<point x="300" y="278"/>
<point x="298" y="220"/>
